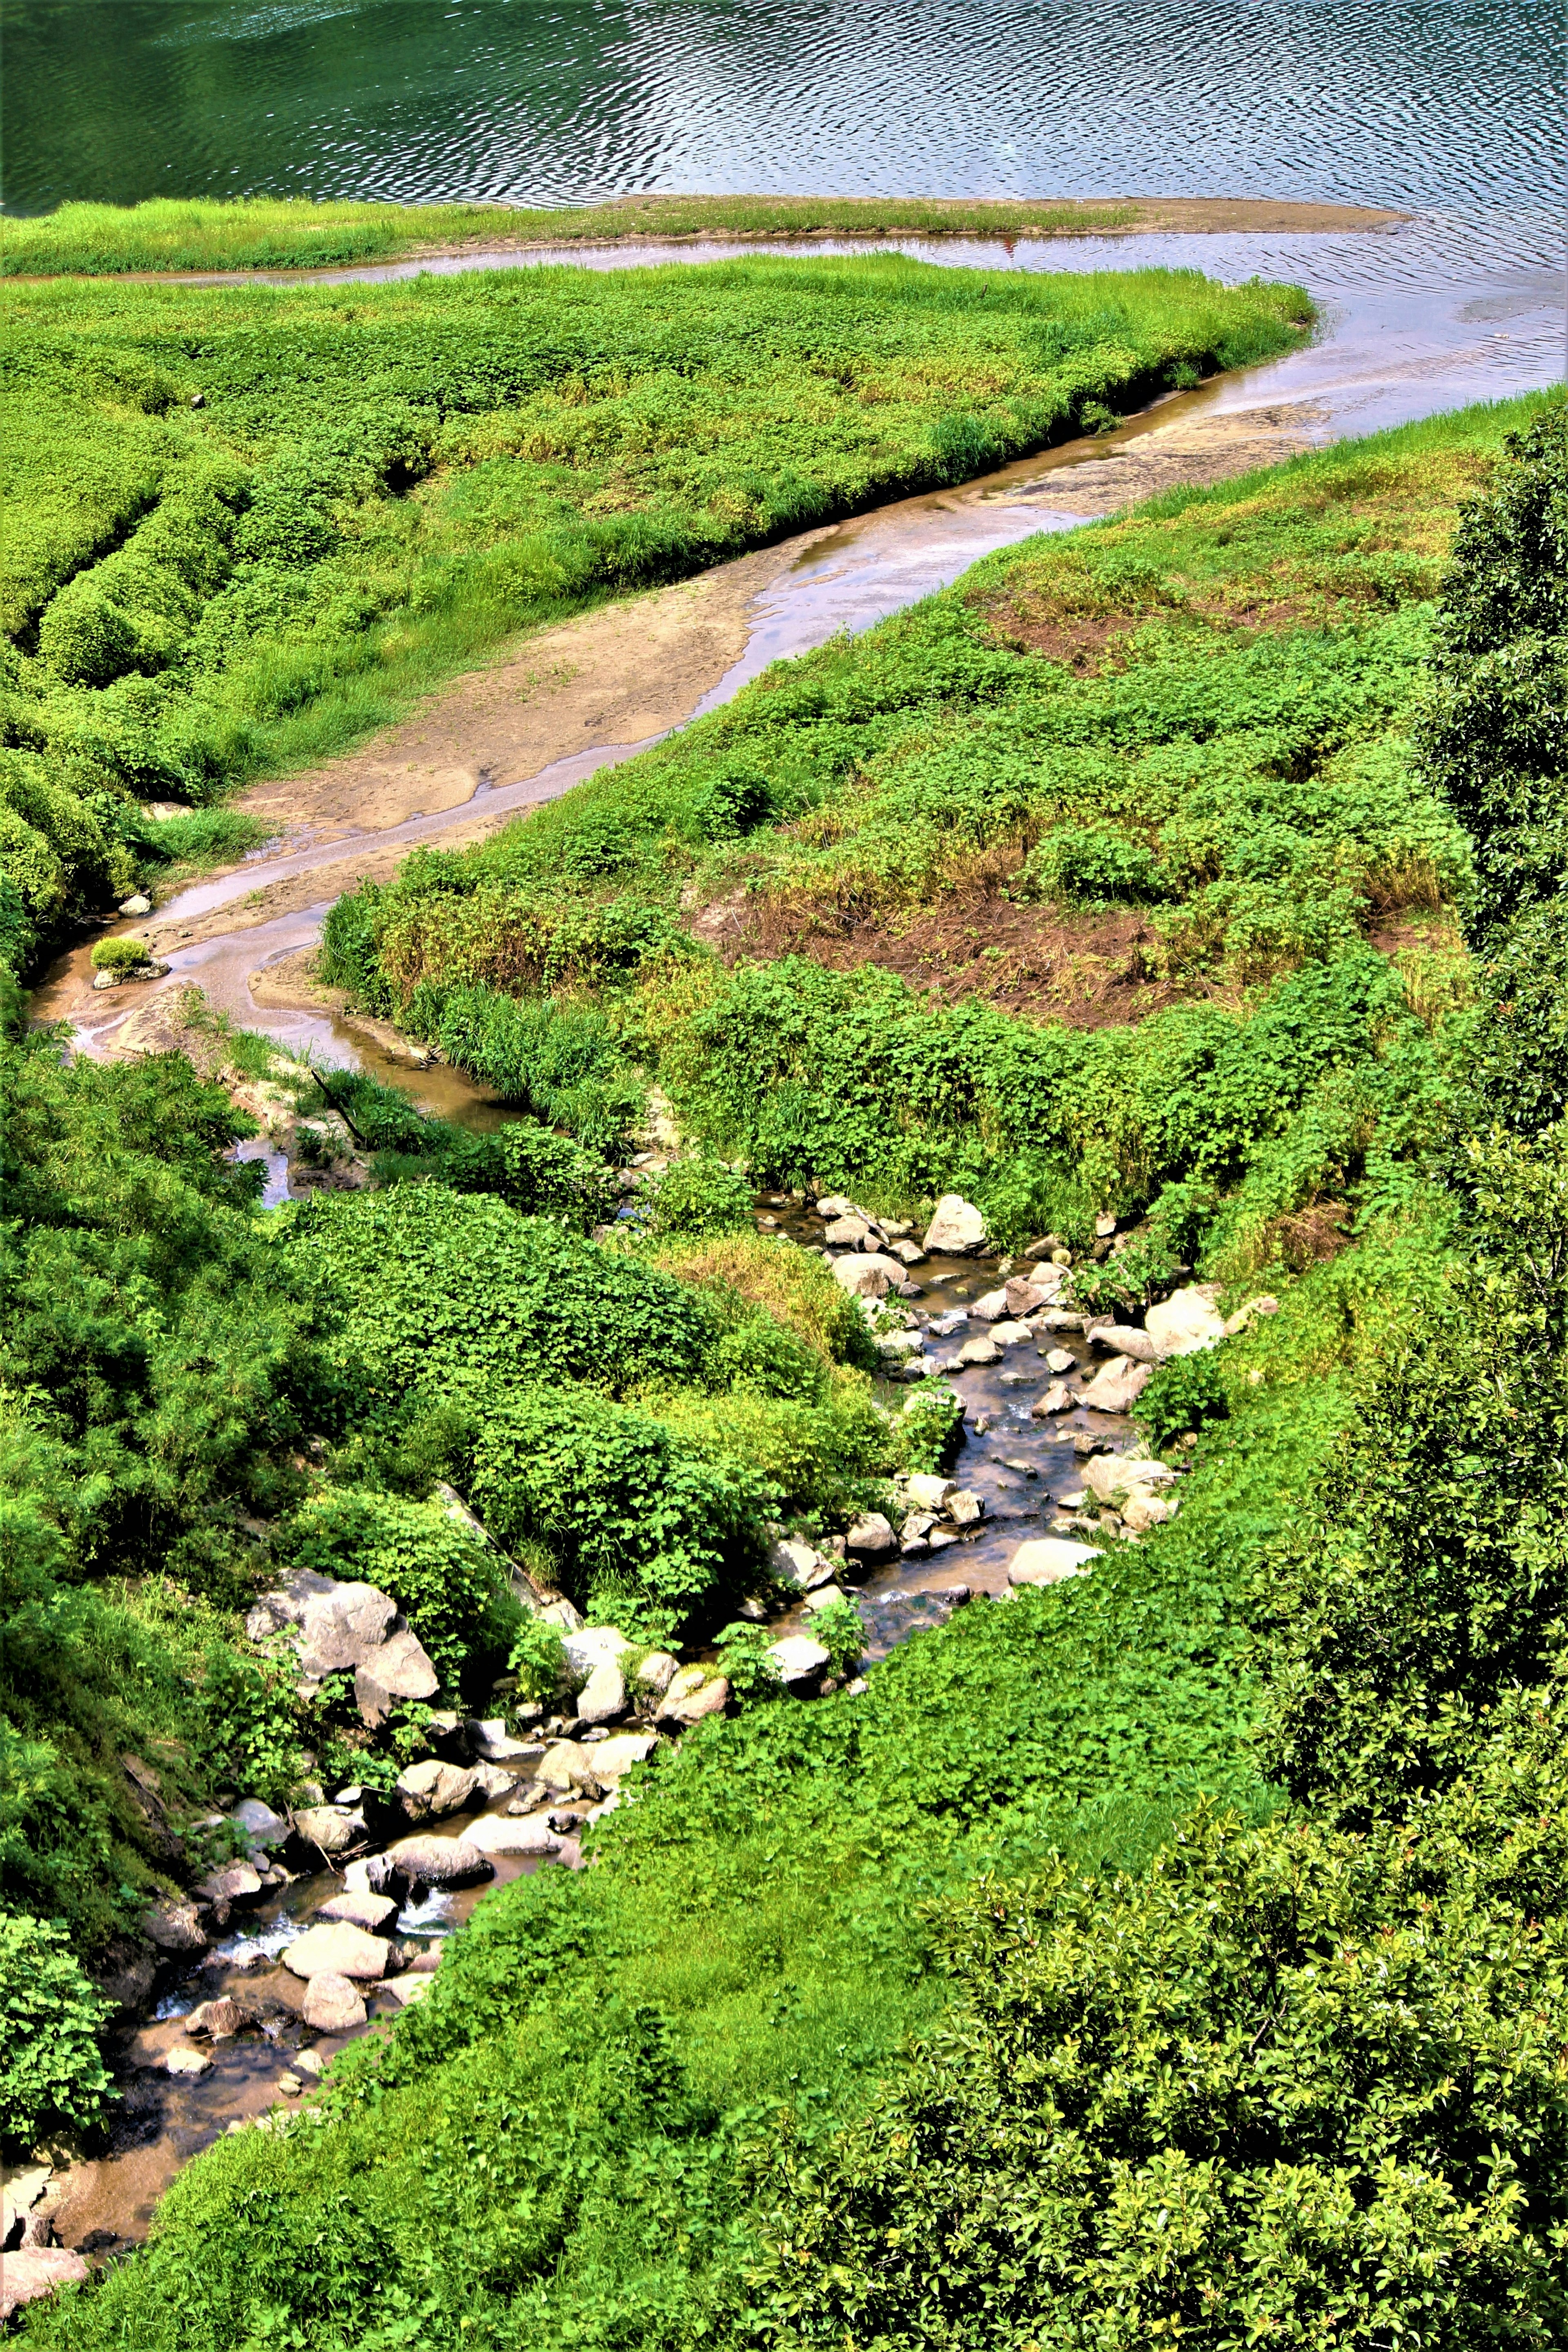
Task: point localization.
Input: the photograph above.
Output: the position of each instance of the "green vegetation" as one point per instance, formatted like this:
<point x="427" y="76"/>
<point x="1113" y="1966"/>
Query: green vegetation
<point x="282" y="233"/>
<point x="1236" y="738"/>
<point x="1180" y="1953"/>
<point x="247" y="524"/>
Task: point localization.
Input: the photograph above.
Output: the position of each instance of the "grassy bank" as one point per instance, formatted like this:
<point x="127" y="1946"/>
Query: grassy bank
<point x="1105" y="879"/>
<point x="1220" y="1890"/>
<point x="281" y="233"/>
<point x="244" y="525"/>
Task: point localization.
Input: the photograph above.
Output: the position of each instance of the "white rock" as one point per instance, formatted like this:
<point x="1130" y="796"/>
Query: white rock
<point x="1059" y="1398"/>
<point x="1187" y="1320"/>
<point x="436" y="1860"/>
<point x="30" y="2272"/>
<point x="1025" y="1293"/>
<point x="798" y="1659"/>
<point x="1048" y="1560"/>
<point x="603" y="1696"/>
<point x="907" y="1252"/>
<point x="1008" y="1334"/>
<point x="1060" y="1360"/>
<point x="943" y="1326"/>
<point x="399" y="1669"/>
<point x="1142" y="1510"/>
<point x="991" y="1307"/>
<point x="184" y="2061"/>
<point x="836" y="1205"/>
<point x="336" y="1947"/>
<point x="1116" y="1386"/>
<point x="870" y="1537"/>
<point x="966" y="1508"/>
<point x="368" y="1911"/>
<point x="957" y="1228"/>
<point x="613" y="1756"/>
<point x="929" y="1493"/>
<point x="657" y="1671"/>
<point x="494" y="1833"/>
<point x="594" y="1645"/>
<point x="333" y="2003"/>
<point x="824" y="1597"/>
<point x="496" y="1744"/>
<point x="1126" y="1340"/>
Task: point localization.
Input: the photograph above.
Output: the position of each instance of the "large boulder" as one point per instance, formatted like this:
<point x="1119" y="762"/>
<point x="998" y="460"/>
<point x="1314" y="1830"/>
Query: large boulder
<point x="331" y="1828"/>
<point x="868" y="1273"/>
<point x="1126" y="1340"/>
<point x="927" y="1492"/>
<point x="398" y="1669"/>
<point x="174" y="1927"/>
<point x="693" y="1693"/>
<point x="494" y="1833"/>
<point x="957" y="1229"/>
<point x="1048" y="1560"/>
<point x="371" y="1912"/>
<point x="801" y="1565"/>
<point x="1113" y="1477"/>
<point x="260" y="1824"/>
<point x="335" y="1626"/>
<point x="431" y="1861"/>
<point x="657" y="1671"/>
<point x="333" y="2003"/>
<point x="428" y="1791"/>
<point x="1189" y="1319"/>
<point x="336" y="1947"/>
<point x="871" y="1537"/>
<point x="797" y="1660"/>
<point x="613" y="1756"/>
<point x="30" y="2272"/>
<point x="1116" y="1386"/>
<point x="567" y="1765"/>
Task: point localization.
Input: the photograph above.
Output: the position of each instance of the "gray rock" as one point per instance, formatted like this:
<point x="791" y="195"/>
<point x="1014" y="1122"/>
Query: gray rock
<point x="907" y="1252"/>
<point x="991" y="1307"/>
<point x="432" y="1861"/>
<point x="836" y="1204"/>
<point x="180" y="2061"/>
<point x="693" y="1693"/>
<point x="496" y="1834"/>
<point x="336" y="1947"/>
<point x="406" y="1989"/>
<point x="1011" y="1334"/>
<point x="1126" y="1340"/>
<point x="868" y="1274"/>
<point x="429" y="1790"/>
<point x="174" y="1927"/>
<point x="1118" y="1385"/>
<point x="333" y="2003"/>
<point x="1026" y="1293"/>
<point x="871" y="1537"/>
<point x="491" y="1741"/>
<point x="237" y="1882"/>
<point x="398" y="1669"/>
<point x="329" y="1829"/>
<point x="957" y="1229"/>
<point x="614" y="1757"/>
<point x="824" y="1596"/>
<point x="966" y="1508"/>
<point x="847" y="1232"/>
<point x="1059" y="1398"/>
<point x="261" y="1825"/>
<point x="943" y="1326"/>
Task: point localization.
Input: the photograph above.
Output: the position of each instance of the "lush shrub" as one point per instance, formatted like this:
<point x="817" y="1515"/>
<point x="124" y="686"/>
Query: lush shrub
<point x="119" y="955"/>
<point x="1187" y="1393"/>
<point x="50" y="2070"/>
<point x="699" y="1196"/>
<point x="448" y="1583"/>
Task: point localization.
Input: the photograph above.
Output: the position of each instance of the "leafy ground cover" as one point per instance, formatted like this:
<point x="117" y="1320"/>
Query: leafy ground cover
<point x="1190" y="726"/>
<point x="283" y="233"/>
<point x="246" y="524"/>
<point x="1220" y="1890"/>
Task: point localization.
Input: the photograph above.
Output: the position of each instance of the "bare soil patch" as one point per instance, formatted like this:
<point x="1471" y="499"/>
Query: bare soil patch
<point x="1089" y="970"/>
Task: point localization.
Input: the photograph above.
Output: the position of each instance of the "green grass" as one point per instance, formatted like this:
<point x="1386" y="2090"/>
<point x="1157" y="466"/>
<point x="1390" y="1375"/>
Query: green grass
<point x="382" y="484"/>
<point x="273" y="232"/>
<point x="1224" y="779"/>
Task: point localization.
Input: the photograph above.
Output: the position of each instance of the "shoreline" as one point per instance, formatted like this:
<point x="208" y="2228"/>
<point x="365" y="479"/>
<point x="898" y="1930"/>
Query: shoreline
<point x="693" y="221"/>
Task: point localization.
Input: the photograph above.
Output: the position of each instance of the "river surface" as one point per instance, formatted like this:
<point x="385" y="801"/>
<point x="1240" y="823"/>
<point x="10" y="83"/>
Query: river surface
<point x="1433" y="104"/>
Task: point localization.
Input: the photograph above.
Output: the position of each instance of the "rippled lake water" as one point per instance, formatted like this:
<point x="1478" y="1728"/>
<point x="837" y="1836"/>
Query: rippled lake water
<point x="1391" y="101"/>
